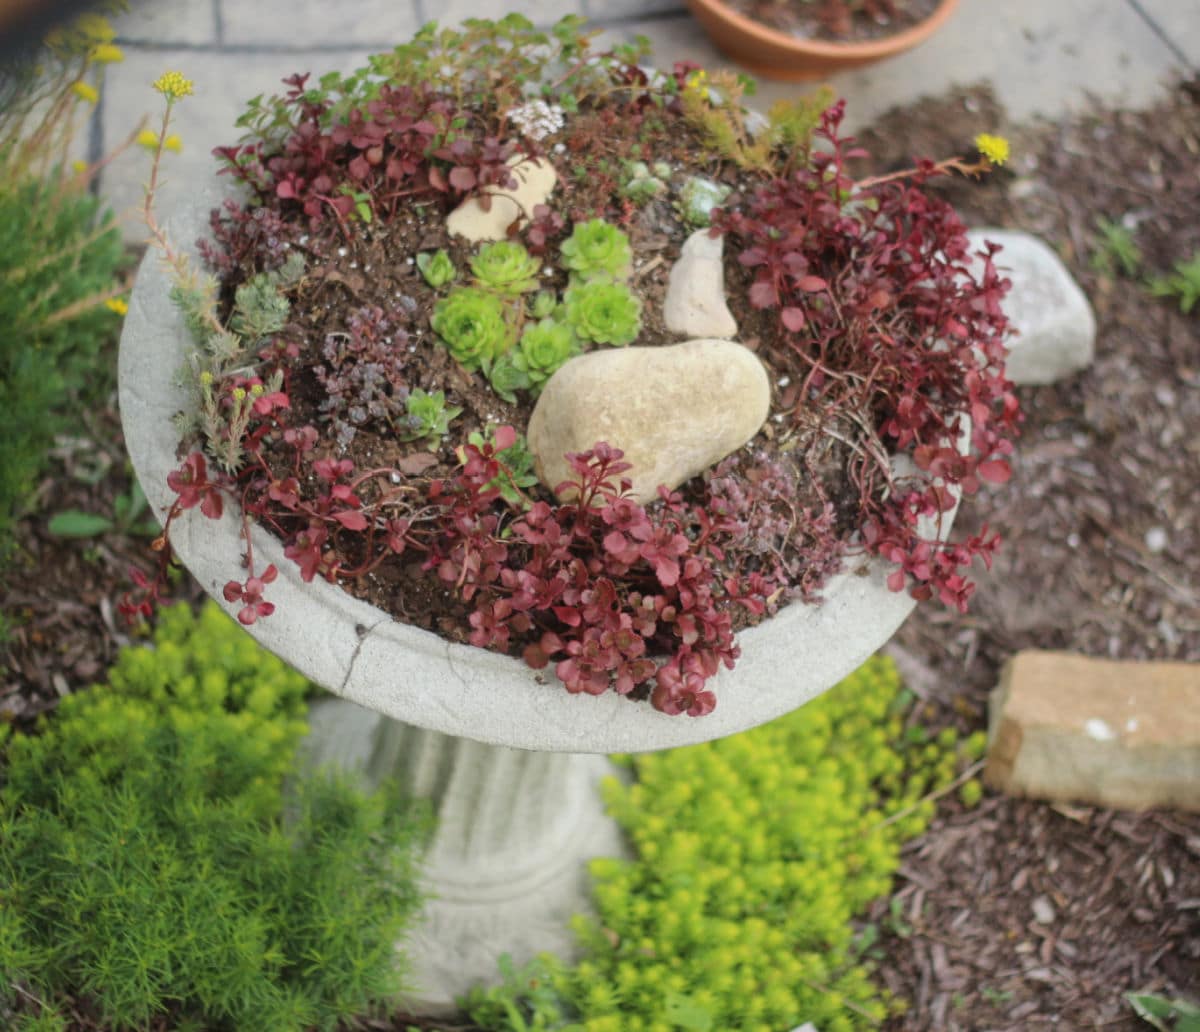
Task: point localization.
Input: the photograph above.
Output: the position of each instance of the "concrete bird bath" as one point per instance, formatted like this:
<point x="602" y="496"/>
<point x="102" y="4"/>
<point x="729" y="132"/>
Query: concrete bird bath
<point x="509" y="759"/>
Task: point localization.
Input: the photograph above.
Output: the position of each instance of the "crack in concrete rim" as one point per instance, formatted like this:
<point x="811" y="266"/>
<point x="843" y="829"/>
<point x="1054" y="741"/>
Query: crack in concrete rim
<point x="362" y="640"/>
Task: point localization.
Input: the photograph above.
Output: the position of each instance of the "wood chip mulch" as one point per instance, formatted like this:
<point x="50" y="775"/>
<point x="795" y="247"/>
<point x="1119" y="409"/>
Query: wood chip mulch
<point x="1021" y="914"/>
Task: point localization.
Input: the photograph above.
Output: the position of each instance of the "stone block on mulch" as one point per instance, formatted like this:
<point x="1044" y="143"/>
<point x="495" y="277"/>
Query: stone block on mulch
<point x="1054" y="323"/>
<point x="1117" y="733"/>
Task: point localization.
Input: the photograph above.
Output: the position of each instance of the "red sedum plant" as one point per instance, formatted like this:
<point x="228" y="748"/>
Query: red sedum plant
<point x="879" y="333"/>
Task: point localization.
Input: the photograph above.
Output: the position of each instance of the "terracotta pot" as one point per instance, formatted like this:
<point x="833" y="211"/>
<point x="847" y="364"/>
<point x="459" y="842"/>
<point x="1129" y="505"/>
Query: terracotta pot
<point x="778" y="55"/>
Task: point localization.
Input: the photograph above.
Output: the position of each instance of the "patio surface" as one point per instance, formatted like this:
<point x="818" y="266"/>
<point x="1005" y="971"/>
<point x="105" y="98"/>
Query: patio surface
<point x="1042" y="57"/>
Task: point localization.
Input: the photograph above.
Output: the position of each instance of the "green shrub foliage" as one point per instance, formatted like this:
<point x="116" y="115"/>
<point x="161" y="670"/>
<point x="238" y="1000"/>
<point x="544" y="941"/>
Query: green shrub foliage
<point x="58" y="256"/>
<point x="145" y="864"/>
<point x="753" y="856"/>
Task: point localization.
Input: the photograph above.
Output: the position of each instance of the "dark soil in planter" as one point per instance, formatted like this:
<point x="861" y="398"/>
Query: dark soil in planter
<point x="1103" y="458"/>
<point x="836" y="21"/>
<point x="371" y="269"/>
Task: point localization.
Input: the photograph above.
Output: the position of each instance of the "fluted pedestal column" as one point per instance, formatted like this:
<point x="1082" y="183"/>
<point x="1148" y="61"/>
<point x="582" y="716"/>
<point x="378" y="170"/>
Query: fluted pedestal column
<point x="507" y="865"/>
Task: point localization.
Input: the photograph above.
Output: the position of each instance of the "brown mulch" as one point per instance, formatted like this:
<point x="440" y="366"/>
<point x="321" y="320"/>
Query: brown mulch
<point x="1020" y="914"/>
<point x="1016" y="914"/>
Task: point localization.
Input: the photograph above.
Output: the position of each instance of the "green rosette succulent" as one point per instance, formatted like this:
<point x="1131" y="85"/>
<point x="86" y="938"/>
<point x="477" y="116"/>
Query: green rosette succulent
<point x="473" y="326"/>
<point x="603" y="312"/>
<point x="544" y="346"/>
<point x="506" y="267"/>
<point x="427" y="417"/>
<point x="437" y="268"/>
<point x="595" y="248"/>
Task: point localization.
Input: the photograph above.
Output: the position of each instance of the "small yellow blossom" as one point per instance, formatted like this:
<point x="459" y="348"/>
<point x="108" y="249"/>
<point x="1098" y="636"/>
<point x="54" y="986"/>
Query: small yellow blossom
<point x="698" y="81"/>
<point x="206" y="379"/>
<point x="85" y="91"/>
<point x="148" y="138"/>
<point x="173" y="85"/>
<point x="994" y="148"/>
<point x="107" y="53"/>
<point x="257" y="390"/>
<point x="173" y="143"/>
<point x="95" y="27"/>
<point x="239" y="394"/>
<point x="79" y="165"/>
<point x="117" y="304"/>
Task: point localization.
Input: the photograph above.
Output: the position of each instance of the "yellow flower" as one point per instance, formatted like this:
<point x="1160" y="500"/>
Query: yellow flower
<point x="95" y="27"/>
<point x="85" y="91"/>
<point x="79" y="166"/>
<point x="698" y="81"/>
<point x="148" y="138"/>
<point x="117" y="304"/>
<point x="107" y="53"/>
<point x="994" y="148"/>
<point x="173" y="85"/>
<point x="173" y="143"/>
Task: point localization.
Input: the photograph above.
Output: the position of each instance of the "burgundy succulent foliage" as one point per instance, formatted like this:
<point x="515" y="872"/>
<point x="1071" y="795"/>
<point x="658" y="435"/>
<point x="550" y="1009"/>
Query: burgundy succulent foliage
<point x="396" y="148"/>
<point x="879" y="313"/>
<point x="603" y="585"/>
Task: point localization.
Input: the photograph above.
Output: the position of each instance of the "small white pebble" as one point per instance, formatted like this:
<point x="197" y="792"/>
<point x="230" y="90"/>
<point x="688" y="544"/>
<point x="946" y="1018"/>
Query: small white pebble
<point x="341" y="252"/>
<point x="1131" y="724"/>
<point x="1097" y="729"/>
<point x="1043" y="910"/>
<point x="784" y="381"/>
<point x="1164" y="395"/>
<point x="354" y="265"/>
<point x="1072" y="540"/>
<point x="395" y="477"/>
<point x="1156" y="539"/>
<point x="560" y="148"/>
<point x="408" y="261"/>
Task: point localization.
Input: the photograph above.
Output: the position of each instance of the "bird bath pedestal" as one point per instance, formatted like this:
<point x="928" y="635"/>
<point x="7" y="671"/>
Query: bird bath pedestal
<point x="509" y="759"/>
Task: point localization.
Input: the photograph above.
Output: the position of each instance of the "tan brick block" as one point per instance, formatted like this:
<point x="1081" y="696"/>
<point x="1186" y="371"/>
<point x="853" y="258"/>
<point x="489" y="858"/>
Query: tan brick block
<point x="1118" y="733"/>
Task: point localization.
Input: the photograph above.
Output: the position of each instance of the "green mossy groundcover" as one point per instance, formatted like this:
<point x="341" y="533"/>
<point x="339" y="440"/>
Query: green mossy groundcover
<point x="147" y="867"/>
<point x="753" y="856"/>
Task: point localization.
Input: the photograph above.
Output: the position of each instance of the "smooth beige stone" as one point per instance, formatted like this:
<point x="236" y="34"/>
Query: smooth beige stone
<point x="536" y="179"/>
<point x="674" y="411"/>
<point x="695" y="302"/>
<point x="1118" y="733"/>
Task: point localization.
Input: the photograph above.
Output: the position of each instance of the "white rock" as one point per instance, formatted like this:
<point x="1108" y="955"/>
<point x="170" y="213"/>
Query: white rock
<point x="674" y="411"/>
<point x="695" y="303"/>
<point x="1056" y="329"/>
<point x="536" y="179"/>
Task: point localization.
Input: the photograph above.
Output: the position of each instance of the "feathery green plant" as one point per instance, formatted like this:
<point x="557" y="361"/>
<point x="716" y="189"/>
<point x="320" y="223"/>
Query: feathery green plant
<point x="146" y="864"/>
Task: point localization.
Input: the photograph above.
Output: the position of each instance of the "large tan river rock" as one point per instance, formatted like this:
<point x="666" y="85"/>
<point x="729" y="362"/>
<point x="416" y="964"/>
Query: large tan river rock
<point x="674" y="411"/>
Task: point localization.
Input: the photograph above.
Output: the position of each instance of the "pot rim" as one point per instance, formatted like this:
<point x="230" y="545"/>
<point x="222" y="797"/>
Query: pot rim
<point x="757" y="33"/>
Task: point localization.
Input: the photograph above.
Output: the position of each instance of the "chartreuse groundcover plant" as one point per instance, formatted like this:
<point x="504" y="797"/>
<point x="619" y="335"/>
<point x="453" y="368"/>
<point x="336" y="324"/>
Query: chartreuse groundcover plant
<point x="156" y="863"/>
<point x="753" y="857"/>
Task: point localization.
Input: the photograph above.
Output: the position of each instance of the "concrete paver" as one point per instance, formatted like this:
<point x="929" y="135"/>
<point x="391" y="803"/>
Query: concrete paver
<point x="169" y="22"/>
<point x="1179" y="21"/>
<point x="378" y="24"/>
